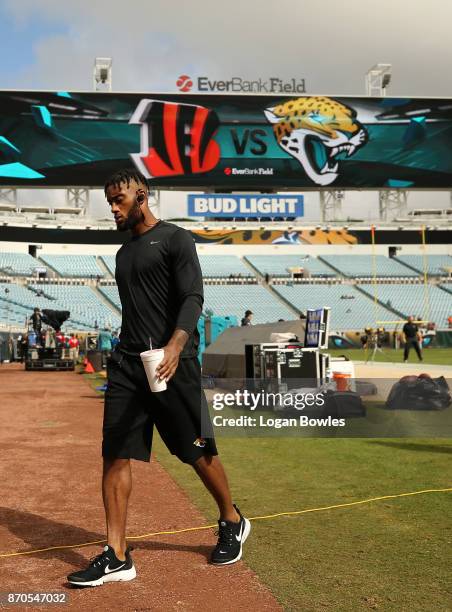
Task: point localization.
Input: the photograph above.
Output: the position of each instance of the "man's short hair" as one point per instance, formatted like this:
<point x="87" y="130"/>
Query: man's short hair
<point x="125" y="175"/>
<point x="247" y="313"/>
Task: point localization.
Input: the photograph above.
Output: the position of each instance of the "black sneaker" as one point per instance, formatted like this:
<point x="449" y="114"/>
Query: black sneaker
<point x="231" y="537"/>
<point x="106" y="567"/>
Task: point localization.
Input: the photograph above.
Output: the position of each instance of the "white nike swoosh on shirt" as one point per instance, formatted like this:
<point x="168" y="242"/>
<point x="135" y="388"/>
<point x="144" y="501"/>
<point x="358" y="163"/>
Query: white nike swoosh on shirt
<point x="154" y="241"/>
<point x="115" y="569"/>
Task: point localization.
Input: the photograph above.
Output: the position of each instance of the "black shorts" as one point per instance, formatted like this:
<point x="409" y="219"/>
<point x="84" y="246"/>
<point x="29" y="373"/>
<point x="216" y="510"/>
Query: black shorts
<point x="131" y="410"/>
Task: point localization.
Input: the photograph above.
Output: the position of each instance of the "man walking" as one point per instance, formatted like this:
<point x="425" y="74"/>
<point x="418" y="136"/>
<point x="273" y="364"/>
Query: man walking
<point x="412" y="339"/>
<point x="160" y="285"/>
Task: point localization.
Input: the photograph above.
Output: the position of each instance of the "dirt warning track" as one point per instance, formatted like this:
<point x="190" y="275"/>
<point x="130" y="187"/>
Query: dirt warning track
<point x="51" y="472"/>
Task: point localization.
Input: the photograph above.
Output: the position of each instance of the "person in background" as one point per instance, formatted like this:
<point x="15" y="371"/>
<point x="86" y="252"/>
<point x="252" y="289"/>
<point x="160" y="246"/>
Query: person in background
<point x="20" y="356"/>
<point x="24" y="348"/>
<point x="114" y="340"/>
<point x="247" y="318"/>
<point x="412" y="339"/>
<point x="36" y="321"/>
<point x="365" y="338"/>
<point x="104" y="342"/>
<point x="73" y="347"/>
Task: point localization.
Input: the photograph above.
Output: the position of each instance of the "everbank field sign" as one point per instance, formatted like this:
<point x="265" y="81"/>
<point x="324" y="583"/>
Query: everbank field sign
<point x="236" y="84"/>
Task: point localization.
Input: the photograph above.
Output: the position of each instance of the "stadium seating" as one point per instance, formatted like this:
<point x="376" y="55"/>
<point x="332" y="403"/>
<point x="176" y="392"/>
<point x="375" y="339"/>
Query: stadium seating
<point x="352" y="306"/>
<point x="223" y="265"/>
<point x="17" y="303"/>
<point x="435" y="263"/>
<point x="17" y="264"/>
<point x="350" y="309"/>
<point x="411" y="300"/>
<point x="277" y="265"/>
<point x="235" y="299"/>
<point x="230" y="300"/>
<point x="74" y="266"/>
<point x="111" y="293"/>
<point x="110" y="263"/>
<point x="362" y="266"/>
<point x="22" y="296"/>
<point x="211" y="265"/>
<point x="83" y="303"/>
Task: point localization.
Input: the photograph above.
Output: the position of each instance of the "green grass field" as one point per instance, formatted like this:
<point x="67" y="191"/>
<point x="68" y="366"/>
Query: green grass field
<point x="431" y="355"/>
<point x="389" y="555"/>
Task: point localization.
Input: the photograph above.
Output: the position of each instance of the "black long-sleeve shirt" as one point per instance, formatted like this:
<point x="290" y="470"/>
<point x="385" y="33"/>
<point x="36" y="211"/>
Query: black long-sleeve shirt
<point x="160" y="285"/>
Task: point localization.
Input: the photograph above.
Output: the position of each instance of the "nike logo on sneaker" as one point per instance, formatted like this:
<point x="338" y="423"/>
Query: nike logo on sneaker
<point x="115" y="569"/>
<point x="239" y="537"/>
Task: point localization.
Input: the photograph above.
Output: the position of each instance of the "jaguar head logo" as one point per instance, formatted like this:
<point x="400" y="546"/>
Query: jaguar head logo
<point x="315" y="131"/>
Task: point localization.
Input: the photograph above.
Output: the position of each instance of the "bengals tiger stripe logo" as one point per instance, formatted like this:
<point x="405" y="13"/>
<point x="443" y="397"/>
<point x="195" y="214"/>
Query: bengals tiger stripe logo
<point x="176" y="139"/>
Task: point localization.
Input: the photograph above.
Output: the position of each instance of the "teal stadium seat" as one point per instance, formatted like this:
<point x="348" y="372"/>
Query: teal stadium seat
<point x="350" y="309"/>
<point x="235" y="299"/>
<point x="362" y="266"/>
<point x="110" y="263"/>
<point x="223" y="265"/>
<point x="411" y="300"/>
<point x="17" y="264"/>
<point x="435" y="263"/>
<point x="211" y="265"/>
<point x="111" y="293"/>
<point x="278" y="265"/>
<point x="74" y="266"/>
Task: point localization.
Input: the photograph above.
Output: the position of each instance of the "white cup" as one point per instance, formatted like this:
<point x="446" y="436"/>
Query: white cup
<point x="151" y="360"/>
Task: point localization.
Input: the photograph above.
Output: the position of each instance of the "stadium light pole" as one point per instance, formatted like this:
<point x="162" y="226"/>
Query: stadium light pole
<point x="78" y="197"/>
<point x="378" y="79"/>
<point x="102" y="74"/>
<point x="8" y="195"/>
<point x="331" y="204"/>
<point x="392" y="202"/>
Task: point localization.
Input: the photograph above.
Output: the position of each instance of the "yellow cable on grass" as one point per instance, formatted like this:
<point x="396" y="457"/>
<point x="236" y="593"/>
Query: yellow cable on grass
<point x="253" y="518"/>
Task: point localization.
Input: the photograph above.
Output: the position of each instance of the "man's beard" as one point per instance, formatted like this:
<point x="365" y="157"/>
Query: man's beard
<point x="134" y="217"/>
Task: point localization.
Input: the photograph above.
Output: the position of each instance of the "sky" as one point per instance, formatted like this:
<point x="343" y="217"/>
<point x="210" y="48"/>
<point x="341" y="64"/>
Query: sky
<point x="51" y="44"/>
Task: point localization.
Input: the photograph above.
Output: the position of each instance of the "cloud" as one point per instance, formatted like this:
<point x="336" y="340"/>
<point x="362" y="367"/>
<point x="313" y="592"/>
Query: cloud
<point x="331" y="43"/>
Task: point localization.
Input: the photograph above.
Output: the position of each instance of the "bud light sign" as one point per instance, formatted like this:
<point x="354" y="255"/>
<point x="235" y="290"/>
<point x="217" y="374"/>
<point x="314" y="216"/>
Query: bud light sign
<point x="258" y="205"/>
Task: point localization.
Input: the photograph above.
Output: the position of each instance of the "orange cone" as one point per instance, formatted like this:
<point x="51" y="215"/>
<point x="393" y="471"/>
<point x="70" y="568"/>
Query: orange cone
<point x="89" y="368"/>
